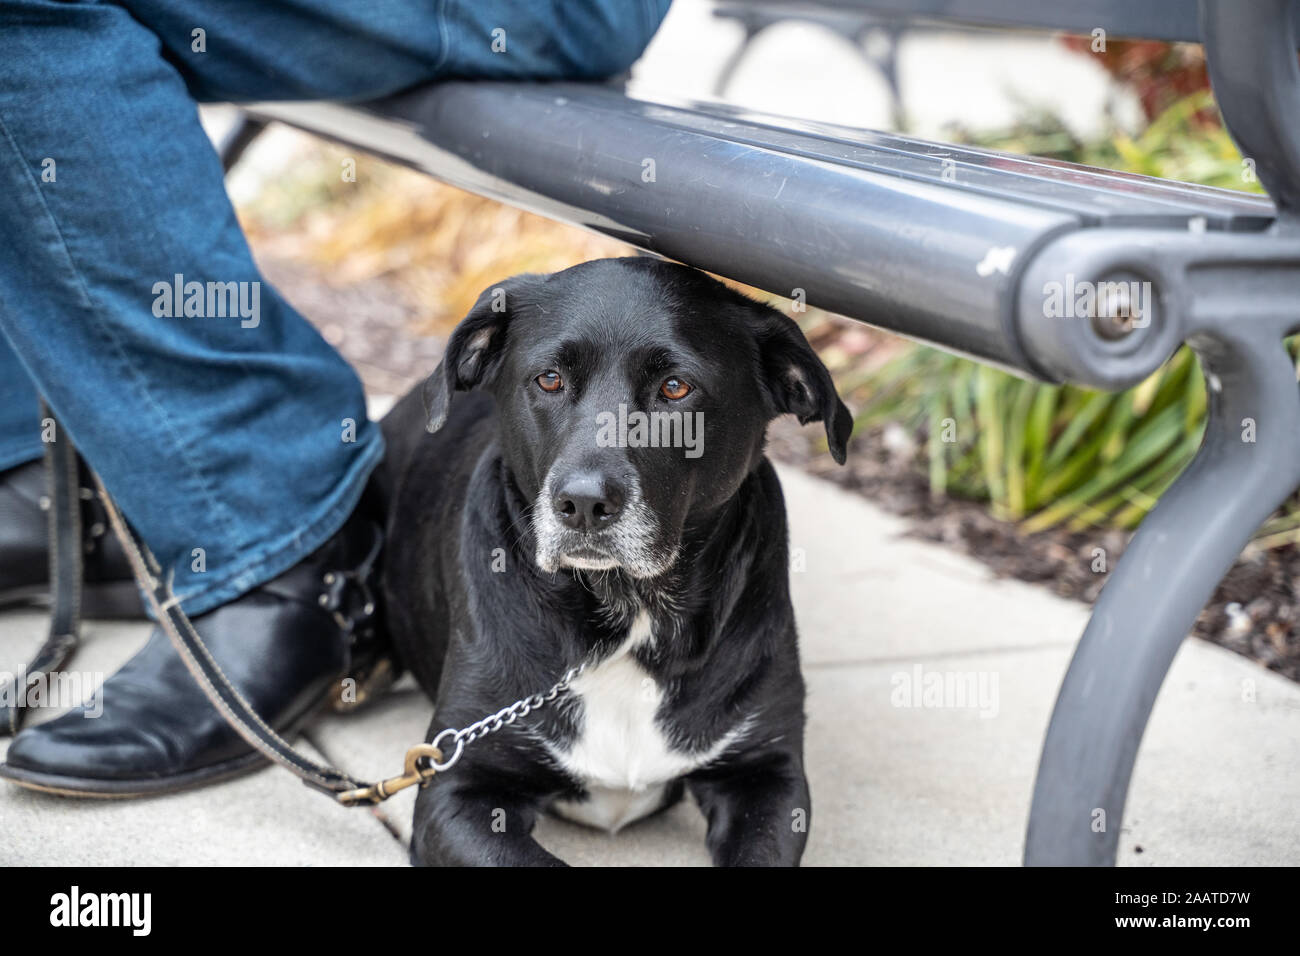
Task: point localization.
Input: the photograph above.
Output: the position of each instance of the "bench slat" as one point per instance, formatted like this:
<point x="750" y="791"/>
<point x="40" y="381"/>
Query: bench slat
<point x="1100" y="196"/>
<point x="863" y="222"/>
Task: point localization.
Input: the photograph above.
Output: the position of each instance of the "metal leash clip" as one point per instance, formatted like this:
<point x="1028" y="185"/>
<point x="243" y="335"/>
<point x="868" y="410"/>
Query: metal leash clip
<point x="413" y="773"/>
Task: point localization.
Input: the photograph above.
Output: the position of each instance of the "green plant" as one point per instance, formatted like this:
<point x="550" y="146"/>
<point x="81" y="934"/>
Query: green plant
<point x="1045" y="455"/>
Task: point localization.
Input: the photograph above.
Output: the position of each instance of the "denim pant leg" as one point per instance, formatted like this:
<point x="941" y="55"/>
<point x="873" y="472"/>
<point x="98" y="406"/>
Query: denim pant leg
<point x="19" y="422"/>
<point x="234" y="438"/>
<point x="348" y="50"/>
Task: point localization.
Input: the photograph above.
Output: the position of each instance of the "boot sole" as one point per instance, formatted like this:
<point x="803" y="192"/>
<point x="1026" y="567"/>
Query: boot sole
<point x="109" y="789"/>
<point x="112" y="788"/>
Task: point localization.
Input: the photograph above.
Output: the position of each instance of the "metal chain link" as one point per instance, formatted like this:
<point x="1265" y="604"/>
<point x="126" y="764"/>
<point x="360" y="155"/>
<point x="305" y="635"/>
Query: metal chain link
<point x="502" y="718"/>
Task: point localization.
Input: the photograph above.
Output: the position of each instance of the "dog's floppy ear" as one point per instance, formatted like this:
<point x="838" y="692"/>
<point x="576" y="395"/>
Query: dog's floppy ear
<point x="474" y="349"/>
<point x="797" y="381"/>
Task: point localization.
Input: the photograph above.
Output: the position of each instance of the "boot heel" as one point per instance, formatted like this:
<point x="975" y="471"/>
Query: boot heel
<point x="366" y="682"/>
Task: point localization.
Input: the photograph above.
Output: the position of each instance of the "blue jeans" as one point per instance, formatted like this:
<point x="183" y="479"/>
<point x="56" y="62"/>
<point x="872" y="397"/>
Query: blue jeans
<point x="230" y="426"/>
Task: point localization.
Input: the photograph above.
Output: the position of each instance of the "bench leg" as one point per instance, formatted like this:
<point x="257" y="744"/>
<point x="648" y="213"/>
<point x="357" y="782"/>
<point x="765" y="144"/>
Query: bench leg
<point x="238" y="138"/>
<point x="1167" y="574"/>
<point x="729" y="68"/>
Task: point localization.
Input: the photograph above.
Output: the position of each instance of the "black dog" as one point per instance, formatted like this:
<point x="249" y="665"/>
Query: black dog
<point x="604" y="500"/>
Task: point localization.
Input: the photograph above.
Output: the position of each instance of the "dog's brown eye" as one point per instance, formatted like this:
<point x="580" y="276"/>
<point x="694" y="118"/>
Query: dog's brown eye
<point x="674" y="389"/>
<point x="550" y="381"/>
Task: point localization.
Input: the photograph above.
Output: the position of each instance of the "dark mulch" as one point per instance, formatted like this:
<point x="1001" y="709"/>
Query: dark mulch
<point x="1254" y="611"/>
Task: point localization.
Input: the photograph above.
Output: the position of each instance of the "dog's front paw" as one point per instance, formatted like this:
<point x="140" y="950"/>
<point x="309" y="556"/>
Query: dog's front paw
<point x="483" y="830"/>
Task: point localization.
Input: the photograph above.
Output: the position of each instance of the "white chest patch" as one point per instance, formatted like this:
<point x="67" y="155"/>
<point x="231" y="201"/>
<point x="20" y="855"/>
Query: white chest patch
<point x="620" y="753"/>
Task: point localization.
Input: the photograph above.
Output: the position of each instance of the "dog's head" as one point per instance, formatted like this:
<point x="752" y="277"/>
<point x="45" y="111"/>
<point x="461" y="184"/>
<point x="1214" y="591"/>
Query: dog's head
<point x="633" y="396"/>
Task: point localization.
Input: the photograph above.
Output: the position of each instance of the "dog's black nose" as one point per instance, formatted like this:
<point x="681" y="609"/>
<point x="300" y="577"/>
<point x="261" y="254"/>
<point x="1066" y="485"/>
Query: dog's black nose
<point x="588" y="502"/>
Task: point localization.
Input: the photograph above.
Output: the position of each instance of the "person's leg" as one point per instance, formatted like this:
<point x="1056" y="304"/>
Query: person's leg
<point x="20" y="425"/>
<point x="233" y="437"/>
<point x="235" y="443"/>
<point x="344" y="50"/>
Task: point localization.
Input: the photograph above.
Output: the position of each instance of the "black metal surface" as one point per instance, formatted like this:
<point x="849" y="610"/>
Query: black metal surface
<point x="1233" y="299"/>
<point x="1235" y="317"/>
<point x="1257" y="84"/>
<point x="1097" y="196"/>
<point x="230" y="147"/>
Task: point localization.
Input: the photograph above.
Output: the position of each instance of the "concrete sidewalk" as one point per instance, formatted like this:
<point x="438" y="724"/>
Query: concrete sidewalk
<point x="1217" y="778"/>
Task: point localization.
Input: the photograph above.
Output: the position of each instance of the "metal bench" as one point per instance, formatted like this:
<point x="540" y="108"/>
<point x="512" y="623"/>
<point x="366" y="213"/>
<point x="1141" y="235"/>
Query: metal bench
<point x="958" y="247"/>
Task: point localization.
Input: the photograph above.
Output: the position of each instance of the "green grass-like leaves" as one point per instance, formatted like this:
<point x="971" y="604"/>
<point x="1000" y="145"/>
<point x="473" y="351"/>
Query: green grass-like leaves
<point x="1049" y="456"/>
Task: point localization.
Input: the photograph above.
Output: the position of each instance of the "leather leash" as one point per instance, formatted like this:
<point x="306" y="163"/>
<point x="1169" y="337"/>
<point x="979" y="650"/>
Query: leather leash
<point x="63" y="504"/>
<point x="63" y="484"/>
<point x="344" y="788"/>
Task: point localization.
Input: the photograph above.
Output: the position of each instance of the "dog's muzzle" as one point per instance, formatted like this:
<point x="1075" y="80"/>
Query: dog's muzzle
<point x="589" y="523"/>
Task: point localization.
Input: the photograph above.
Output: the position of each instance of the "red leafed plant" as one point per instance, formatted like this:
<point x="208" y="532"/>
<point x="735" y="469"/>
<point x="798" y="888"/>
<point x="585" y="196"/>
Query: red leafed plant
<point x="1159" y="73"/>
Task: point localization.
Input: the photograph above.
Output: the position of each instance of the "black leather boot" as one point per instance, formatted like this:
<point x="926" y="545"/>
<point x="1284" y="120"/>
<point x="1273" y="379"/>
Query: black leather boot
<point x="284" y="646"/>
<point x="109" y="592"/>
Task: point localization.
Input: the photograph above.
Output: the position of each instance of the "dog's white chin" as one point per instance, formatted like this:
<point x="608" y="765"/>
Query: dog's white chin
<point x="552" y="561"/>
<point x="589" y="564"/>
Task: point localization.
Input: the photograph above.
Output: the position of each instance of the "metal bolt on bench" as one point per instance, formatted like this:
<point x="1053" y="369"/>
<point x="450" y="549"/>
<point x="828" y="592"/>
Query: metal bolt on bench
<point x="956" y="247"/>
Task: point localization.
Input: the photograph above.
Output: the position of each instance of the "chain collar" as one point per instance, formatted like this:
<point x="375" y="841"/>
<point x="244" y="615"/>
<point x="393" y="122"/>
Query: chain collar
<point x="502" y="718"/>
<point x="425" y="760"/>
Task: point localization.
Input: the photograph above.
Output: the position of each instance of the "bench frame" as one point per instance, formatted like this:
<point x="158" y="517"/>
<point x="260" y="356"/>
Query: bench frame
<point x="1234" y="313"/>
